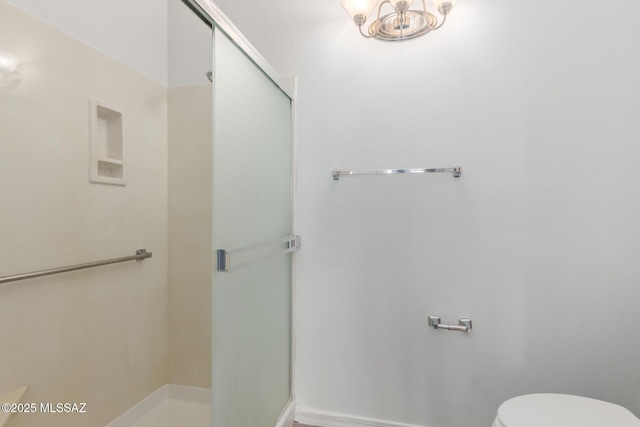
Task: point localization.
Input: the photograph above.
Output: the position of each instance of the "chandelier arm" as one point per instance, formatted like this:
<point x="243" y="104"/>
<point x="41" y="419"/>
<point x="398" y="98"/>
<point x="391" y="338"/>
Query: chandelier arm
<point x="380" y="7"/>
<point x="424" y="13"/>
<point x="444" y="18"/>
<point x="363" y="34"/>
<point x="377" y="21"/>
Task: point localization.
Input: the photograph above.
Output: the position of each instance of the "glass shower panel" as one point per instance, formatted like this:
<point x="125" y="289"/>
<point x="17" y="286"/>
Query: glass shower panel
<point x="252" y="205"/>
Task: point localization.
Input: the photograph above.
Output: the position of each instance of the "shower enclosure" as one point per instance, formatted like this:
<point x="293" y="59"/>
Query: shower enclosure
<point x="155" y="125"/>
<point x="253" y="235"/>
<point x="252" y="230"/>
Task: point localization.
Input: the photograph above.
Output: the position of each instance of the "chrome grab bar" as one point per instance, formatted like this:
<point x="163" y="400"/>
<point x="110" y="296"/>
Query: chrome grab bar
<point x="223" y="256"/>
<point x="464" y="324"/>
<point x="457" y="172"/>
<point x="140" y="255"/>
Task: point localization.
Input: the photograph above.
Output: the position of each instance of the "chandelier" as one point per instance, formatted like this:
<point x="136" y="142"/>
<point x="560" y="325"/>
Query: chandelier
<point x="402" y="23"/>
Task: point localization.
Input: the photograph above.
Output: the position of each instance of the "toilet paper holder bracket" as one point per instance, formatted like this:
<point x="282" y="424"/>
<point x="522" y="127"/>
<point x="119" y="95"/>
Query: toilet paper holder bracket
<point x="464" y="324"/>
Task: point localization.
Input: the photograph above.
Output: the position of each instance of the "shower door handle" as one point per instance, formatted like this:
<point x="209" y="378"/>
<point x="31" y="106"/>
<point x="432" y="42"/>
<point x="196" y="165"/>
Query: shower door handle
<point x="256" y="253"/>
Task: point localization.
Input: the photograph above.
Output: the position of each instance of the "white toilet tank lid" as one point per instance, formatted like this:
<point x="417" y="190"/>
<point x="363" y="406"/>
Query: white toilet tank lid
<point x="562" y="410"/>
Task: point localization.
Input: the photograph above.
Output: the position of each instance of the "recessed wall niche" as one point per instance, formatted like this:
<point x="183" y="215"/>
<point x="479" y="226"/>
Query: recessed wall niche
<point x="106" y="144"/>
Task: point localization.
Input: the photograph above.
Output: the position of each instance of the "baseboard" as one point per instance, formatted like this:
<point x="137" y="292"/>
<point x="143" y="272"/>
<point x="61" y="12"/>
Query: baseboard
<point x="330" y="419"/>
<point x="287" y="415"/>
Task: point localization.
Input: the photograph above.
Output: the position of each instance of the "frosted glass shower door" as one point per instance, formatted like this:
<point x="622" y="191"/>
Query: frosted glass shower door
<point x="252" y="207"/>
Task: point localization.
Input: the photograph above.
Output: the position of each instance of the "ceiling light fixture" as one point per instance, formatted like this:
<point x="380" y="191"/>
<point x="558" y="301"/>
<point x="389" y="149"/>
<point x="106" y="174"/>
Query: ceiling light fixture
<point x="403" y="23"/>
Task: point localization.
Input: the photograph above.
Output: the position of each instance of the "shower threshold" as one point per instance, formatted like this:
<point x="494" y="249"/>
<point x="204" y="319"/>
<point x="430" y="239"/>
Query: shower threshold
<point x="169" y="406"/>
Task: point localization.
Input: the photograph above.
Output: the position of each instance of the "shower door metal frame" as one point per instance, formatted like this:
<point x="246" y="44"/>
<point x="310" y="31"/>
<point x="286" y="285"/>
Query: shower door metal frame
<point x="209" y="11"/>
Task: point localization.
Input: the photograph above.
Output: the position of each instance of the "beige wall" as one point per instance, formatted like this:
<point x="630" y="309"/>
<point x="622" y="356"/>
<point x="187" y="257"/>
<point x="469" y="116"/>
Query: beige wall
<point x="191" y="263"/>
<point x="98" y="335"/>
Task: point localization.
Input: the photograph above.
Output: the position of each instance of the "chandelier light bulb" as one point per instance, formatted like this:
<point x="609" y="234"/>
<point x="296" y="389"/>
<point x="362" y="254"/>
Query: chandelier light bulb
<point x="401" y="5"/>
<point x="444" y="6"/>
<point x="359" y="10"/>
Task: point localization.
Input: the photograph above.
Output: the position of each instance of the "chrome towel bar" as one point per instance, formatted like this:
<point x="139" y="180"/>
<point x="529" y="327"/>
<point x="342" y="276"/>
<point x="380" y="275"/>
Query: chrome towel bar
<point x="140" y="255"/>
<point x="456" y="171"/>
<point x="464" y="324"/>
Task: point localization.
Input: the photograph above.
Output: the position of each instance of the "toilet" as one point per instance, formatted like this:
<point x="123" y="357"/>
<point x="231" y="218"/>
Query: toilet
<point x="562" y="410"/>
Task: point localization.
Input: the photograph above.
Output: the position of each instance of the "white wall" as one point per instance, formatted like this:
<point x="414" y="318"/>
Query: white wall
<point x="189" y="47"/>
<point x="537" y="242"/>
<point x="136" y="33"/>
<point x="98" y="335"/>
<point x="131" y="32"/>
<point x="129" y="331"/>
<point x="190" y="266"/>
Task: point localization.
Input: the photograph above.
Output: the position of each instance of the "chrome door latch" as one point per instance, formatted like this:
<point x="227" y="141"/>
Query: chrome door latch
<point x="464" y="324"/>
